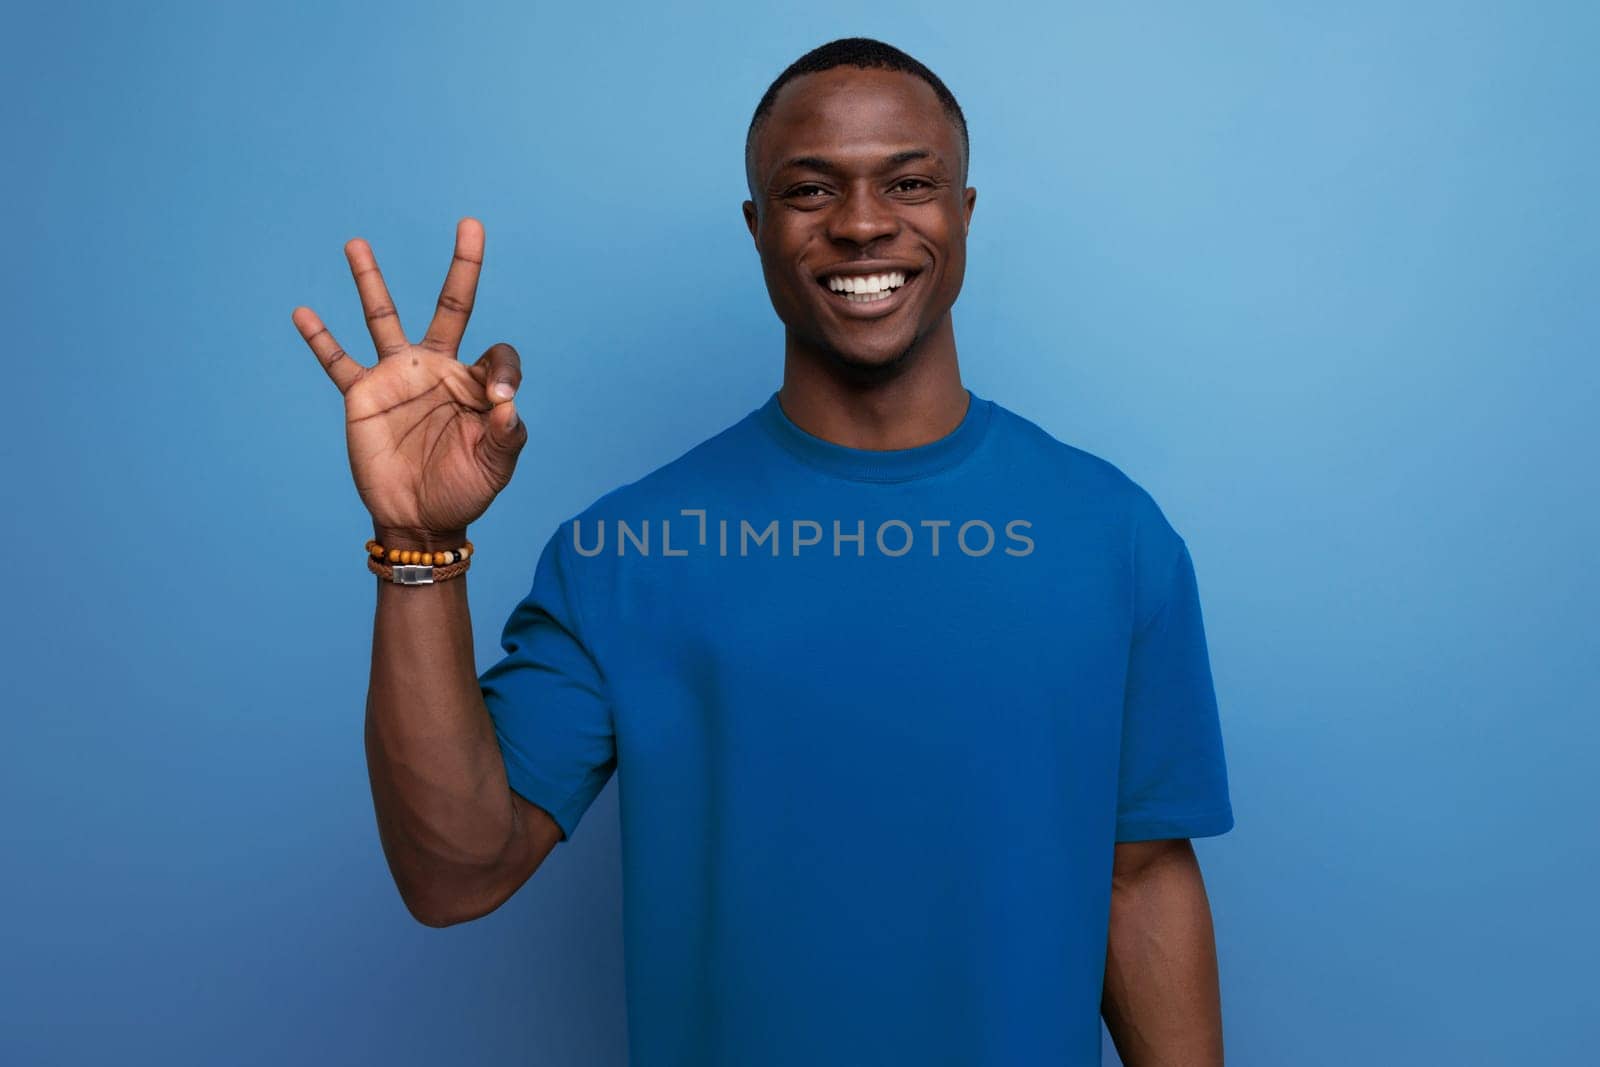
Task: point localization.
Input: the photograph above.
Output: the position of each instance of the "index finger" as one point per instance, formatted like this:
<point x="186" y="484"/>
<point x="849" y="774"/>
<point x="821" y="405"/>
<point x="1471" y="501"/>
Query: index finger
<point x="460" y="289"/>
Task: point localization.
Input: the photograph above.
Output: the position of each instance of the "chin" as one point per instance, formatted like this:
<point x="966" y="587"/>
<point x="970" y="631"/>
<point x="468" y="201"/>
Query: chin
<point x="874" y="359"/>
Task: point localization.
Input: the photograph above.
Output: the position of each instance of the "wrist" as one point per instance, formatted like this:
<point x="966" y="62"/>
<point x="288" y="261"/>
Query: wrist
<point x="404" y="537"/>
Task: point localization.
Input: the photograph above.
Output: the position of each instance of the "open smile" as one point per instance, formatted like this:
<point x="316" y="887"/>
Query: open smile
<point x="870" y="296"/>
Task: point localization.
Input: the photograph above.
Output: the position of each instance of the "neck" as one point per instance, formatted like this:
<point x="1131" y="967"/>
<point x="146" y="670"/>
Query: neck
<point x="915" y="399"/>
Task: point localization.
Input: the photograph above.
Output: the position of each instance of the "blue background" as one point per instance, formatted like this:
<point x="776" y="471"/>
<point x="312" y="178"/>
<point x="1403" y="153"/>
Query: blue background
<point x="1321" y="277"/>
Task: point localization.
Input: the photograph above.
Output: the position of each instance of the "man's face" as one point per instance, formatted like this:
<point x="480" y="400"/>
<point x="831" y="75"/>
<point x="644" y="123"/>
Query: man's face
<point x="858" y="176"/>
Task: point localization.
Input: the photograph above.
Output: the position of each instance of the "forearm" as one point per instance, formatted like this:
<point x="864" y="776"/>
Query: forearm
<point x="444" y="809"/>
<point x="1161" y="1001"/>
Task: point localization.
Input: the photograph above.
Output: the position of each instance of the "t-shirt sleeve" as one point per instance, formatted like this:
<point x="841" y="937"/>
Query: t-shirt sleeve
<point x="547" y="696"/>
<point x="1172" y="778"/>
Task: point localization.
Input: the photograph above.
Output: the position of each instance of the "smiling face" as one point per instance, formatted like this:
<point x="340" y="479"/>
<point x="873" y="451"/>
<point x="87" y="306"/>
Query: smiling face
<point x="862" y="218"/>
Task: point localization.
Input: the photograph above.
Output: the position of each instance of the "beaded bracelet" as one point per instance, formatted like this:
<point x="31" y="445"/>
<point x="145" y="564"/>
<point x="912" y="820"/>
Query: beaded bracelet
<point x="405" y="566"/>
<point x="410" y="555"/>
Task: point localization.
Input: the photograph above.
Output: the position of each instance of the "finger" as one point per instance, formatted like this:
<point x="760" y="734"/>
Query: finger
<point x="502" y="368"/>
<point x="460" y="290"/>
<point x="383" y="322"/>
<point x="344" y="371"/>
<point x="498" y="449"/>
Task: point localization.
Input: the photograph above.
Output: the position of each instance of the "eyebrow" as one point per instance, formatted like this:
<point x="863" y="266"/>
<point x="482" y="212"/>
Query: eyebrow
<point x="828" y="166"/>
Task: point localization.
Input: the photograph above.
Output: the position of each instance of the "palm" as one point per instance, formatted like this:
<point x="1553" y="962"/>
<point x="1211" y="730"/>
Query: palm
<point x="429" y="448"/>
<point x="413" y="426"/>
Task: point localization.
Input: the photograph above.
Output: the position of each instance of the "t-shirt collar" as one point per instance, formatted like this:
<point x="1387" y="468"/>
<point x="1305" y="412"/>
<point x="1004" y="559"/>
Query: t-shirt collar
<point x="879" y="465"/>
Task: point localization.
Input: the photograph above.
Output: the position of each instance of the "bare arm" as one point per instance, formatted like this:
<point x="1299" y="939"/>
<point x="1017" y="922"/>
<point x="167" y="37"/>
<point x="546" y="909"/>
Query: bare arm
<point x="459" y="842"/>
<point x="432" y="441"/>
<point x="1161" y="1003"/>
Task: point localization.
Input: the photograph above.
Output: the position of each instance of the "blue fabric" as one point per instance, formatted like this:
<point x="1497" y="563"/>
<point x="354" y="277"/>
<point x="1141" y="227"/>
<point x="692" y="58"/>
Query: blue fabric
<point x="871" y="767"/>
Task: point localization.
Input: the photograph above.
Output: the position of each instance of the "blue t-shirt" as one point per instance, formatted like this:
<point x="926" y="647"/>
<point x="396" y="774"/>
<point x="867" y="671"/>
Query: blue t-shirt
<point x="877" y="719"/>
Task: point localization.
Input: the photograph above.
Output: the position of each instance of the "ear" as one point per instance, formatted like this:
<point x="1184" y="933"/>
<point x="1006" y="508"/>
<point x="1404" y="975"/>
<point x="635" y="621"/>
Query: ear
<point x="749" y="208"/>
<point x="971" y="201"/>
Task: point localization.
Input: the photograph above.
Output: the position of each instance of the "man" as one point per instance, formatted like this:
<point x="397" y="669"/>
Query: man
<point x="909" y="702"/>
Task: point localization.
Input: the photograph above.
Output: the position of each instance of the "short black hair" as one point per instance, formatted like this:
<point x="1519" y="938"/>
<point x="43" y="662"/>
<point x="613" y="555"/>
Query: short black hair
<point x="865" y="53"/>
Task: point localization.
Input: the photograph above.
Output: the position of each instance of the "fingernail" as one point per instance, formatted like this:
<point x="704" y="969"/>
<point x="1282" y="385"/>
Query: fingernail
<point x="503" y="390"/>
<point x="513" y="424"/>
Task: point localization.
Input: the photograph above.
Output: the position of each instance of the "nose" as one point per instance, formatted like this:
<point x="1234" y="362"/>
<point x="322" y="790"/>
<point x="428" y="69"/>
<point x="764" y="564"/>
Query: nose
<point x="862" y="217"/>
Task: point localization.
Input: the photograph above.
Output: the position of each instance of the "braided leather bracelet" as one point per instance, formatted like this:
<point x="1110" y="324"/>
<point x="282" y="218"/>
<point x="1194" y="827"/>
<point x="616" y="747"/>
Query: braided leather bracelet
<point x="417" y="573"/>
<point x="411" y="567"/>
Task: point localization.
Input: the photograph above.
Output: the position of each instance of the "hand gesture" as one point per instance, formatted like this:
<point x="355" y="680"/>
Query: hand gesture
<point x="432" y="441"/>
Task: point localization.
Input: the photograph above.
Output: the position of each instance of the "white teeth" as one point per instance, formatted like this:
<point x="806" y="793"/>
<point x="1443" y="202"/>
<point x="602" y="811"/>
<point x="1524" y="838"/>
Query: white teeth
<point x="866" y="285"/>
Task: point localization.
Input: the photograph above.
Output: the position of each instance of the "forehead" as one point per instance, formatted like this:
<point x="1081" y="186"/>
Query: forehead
<point x="854" y="115"/>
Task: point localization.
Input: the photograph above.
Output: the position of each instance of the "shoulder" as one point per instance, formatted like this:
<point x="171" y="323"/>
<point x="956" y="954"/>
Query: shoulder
<point x="716" y="464"/>
<point x="1096" y="481"/>
<point x="1093" y="488"/>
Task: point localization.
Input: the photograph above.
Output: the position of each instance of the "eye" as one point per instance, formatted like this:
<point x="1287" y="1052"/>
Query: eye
<point x="916" y="183"/>
<point x="802" y="190"/>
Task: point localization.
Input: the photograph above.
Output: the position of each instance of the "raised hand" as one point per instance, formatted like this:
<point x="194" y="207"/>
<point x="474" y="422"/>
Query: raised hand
<point x="432" y="441"/>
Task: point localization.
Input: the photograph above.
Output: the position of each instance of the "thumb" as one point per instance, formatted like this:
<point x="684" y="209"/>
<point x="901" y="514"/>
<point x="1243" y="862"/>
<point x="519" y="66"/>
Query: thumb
<point x="502" y="441"/>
